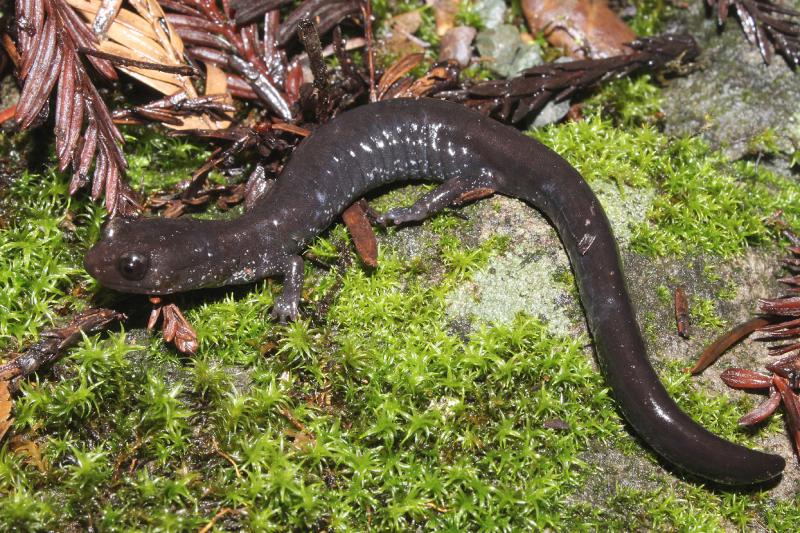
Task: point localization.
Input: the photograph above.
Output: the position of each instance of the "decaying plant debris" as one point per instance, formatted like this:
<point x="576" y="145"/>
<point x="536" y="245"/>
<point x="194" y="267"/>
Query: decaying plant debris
<point x="278" y="64"/>
<point x="779" y="323"/>
<point x="516" y="99"/>
<point x="583" y="29"/>
<point x="771" y="26"/>
<point x="49" y="36"/>
<point x="54" y="342"/>
<point x="380" y="405"/>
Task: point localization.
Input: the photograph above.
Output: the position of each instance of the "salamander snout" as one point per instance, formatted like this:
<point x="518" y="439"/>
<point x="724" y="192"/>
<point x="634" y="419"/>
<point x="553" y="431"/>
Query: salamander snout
<point x="156" y="255"/>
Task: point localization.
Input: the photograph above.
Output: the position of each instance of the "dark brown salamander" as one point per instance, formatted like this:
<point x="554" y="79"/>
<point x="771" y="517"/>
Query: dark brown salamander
<point x="389" y="141"/>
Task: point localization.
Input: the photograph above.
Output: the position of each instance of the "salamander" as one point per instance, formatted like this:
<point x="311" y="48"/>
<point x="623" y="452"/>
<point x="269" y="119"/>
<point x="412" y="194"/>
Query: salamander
<point x="381" y="143"/>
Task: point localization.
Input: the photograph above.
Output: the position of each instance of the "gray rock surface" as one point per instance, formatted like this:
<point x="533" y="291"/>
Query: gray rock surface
<point x="510" y="53"/>
<point x="493" y="12"/>
<point x="735" y="97"/>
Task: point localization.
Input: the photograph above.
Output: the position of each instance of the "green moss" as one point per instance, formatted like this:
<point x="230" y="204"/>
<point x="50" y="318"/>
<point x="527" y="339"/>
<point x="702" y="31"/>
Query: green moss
<point x="566" y="279"/>
<point x="783" y="516"/>
<point x="650" y="16"/>
<point x="39" y="259"/>
<point x="416" y="417"/>
<point x="377" y="416"/>
<point x="460" y="261"/>
<point x="669" y="509"/>
<point x="630" y="101"/>
<point x="704" y="204"/>
<point x="601" y="151"/>
<point x="664" y="295"/>
<point x="765" y="142"/>
<point x="468" y="15"/>
<point x="729" y="291"/>
<point x="156" y="161"/>
<point x="703" y="312"/>
<point x="710" y="273"/>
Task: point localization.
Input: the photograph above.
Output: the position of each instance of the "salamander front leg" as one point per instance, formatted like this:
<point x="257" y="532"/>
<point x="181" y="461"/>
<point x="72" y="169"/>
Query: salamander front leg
<point x="287" y="304"/>
<point x="454" y="191"/>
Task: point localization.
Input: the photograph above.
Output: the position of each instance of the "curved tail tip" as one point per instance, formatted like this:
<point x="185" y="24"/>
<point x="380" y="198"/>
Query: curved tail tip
<point x="763" y="468"/>
<point x="775" y="465"/>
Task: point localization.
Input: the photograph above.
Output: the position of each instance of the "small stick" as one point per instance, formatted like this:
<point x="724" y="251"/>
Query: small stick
<point x="366" y="9"/>
<point x="309" y="36"/>
<point x="682" y="312"/>
<point x="222" y="512"/>
<point x="291" y="128"/>
<point x="53" y="342"/>
<point x="185" y="70"/>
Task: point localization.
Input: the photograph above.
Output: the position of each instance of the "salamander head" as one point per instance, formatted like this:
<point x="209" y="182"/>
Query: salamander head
<point x="154" y="255"/>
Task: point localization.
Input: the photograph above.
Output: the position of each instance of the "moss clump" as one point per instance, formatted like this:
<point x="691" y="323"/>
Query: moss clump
<point x="469" y="15"/>
<point x="600" y="151"/>
<point x="650" y="16"/>
<point x="156" y="161"/>
<point x="667" y="509"/>
<point x="39" y="260"/>
<point x="783" y="516"/>
<point x="703" y="203"/>
<point x="664" y="295"/>
<point x="703" y="312"/>
<point x="376" y="416"/>
<point x="629" y="102"/>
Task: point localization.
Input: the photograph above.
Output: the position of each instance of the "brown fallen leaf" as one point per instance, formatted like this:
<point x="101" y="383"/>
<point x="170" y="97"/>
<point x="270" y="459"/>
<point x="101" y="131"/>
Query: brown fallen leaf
<point x="358" y="224"/>
<point x="28" y="449"/>
<point x="714" y="350"/>
<point x="763" y="410"/>
<point x="5" y="409"/>
<point x="791" y="405"/>
<point x="582" y="28"/>
<point x="444" y="12"/>
<point x="147" y="35"/>
<point x="396" y="72"/>
<point x="175" y="328"/>
<point x="399" y="36"/>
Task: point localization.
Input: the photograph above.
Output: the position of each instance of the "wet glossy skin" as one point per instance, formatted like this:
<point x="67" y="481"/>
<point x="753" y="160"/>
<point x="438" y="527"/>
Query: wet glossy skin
<point x="427" y="139"/>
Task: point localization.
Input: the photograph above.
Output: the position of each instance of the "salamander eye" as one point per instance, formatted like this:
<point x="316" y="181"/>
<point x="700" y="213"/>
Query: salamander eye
<point x="133" y="265"/>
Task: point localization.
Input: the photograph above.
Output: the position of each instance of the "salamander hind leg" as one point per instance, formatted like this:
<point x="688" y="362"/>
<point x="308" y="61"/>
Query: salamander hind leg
<point x="454" y="191"/>
<point x="287" y="304"/>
